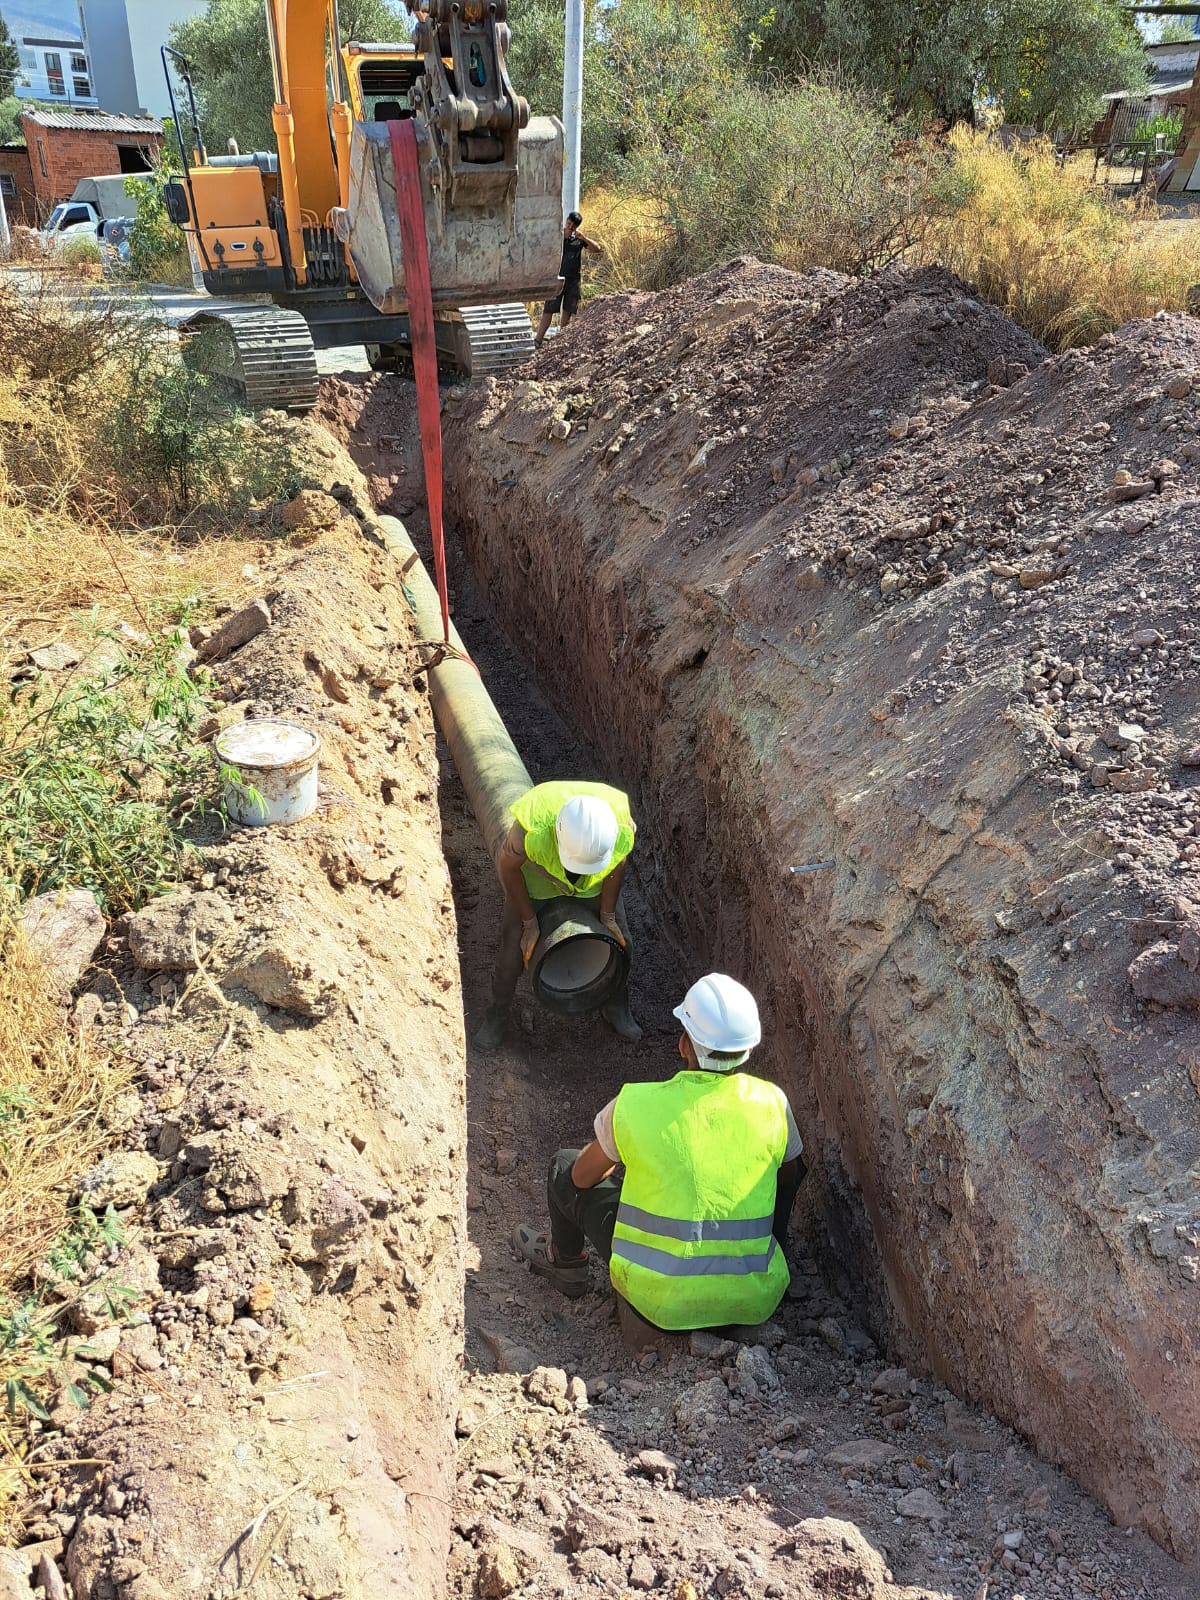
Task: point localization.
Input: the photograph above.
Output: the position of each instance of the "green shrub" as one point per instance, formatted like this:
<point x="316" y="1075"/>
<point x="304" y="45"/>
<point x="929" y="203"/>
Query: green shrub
<point x="95" y="772"/>
<point x="808" y="176"/>
<point x="156" y="243"/>
<point x="175" y="436"/>
<point x="1170" y="125"/>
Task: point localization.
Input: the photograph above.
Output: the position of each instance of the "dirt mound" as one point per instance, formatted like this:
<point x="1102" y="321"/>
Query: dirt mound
<point x="284" y="1328"/>
<point x="847" y="570"/>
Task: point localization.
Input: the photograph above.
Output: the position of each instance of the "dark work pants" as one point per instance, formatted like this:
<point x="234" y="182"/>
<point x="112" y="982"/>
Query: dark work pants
<point x="509" y="965"/>
<point x="579" y="1214"/>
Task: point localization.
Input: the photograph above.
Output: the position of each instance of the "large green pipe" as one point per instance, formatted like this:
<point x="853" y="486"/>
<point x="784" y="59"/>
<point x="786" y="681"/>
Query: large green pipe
<point x="484" y="756"/>
<point x="577" y="964"/>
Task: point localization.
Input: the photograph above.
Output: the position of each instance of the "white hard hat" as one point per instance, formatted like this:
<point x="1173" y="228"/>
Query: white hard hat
<point x="718" y="1013"/>
<point x="586" y="831"/>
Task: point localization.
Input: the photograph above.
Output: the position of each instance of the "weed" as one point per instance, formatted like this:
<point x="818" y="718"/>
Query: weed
<point x="1039" y="241"/>
<point x="173" y="434"/>
<point x="82" y="257"/>
<point x="91" y="772"/>
<point x="33" y="1351"/>
<point x="51" y="332"/>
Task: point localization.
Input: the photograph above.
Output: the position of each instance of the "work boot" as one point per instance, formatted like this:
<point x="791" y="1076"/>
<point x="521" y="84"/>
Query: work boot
<point x="490" y="1035"/>
<point x="621" y="1020"/>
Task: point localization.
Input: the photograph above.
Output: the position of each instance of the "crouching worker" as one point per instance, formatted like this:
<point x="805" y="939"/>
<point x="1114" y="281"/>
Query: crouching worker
<point x="694" y="1232"/>
<point x="568" y="838"/>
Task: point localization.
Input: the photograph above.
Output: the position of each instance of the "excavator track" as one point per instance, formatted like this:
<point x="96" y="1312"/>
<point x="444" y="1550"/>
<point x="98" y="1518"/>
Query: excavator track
<point x="266" y="353"/>
<point x="497" y="338"/>
<point x="475" y="341"/>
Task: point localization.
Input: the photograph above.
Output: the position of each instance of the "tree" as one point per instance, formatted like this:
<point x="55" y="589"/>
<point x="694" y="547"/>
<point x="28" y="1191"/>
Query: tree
<point x="1047" y="63"/>
<point x="651" y="68"/>
<point x="231" y="63"/>
<point x="1177" y="30"/>
<point x="10" y="61"/>
<point x="12" y="129"/>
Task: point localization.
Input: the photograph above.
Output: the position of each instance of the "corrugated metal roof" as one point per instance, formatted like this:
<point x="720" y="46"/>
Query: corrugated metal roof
<point x="94" y="121"/>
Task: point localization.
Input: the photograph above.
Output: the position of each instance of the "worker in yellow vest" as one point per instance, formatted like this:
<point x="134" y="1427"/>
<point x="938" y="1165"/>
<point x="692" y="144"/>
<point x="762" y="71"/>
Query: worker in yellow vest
<point x="694" y="1232"/>
<point x="571" y="838"/>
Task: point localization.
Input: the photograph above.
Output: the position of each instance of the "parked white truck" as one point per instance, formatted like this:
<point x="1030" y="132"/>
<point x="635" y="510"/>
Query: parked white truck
<point x="99" y="209"/>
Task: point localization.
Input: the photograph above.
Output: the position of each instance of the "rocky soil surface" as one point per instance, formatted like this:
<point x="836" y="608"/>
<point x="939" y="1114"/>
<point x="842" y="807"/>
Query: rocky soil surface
<point x="850" y="571"/>
<point x="283" y="1328"/>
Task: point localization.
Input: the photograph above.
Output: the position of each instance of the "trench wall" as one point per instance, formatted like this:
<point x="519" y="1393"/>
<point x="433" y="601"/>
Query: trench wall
<point x="1001" y="1139"/>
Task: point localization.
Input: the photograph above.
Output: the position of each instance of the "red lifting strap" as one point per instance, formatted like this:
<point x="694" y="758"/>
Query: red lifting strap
<point x="419" y="291"/>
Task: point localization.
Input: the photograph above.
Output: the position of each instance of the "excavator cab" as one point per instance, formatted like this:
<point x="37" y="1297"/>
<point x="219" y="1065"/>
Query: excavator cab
<point x="314" y="224"/>
<point x="381" y="83"/>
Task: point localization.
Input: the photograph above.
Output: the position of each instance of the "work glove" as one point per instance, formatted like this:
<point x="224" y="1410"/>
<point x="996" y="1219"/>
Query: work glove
<point x="530" y="934"/>
<point x="609" y="921"/>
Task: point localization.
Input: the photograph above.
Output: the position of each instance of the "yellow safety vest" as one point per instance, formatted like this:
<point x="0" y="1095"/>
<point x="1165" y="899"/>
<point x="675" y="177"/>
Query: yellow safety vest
<point x="537" y="811"/>
<point x="693" y="1246"/>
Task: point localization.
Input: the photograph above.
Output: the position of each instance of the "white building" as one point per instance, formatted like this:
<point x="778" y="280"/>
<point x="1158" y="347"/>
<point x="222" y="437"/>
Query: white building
<point x="123" y="39"/>
<point x="55" y="67"/>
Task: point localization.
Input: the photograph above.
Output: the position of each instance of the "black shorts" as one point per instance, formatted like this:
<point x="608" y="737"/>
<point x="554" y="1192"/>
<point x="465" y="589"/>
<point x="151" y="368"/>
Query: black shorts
<point x="567" y="300"/>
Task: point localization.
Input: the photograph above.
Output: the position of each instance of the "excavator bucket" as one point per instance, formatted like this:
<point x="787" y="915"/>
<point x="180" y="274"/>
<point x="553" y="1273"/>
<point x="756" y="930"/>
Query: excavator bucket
<point x="483" y="247"/>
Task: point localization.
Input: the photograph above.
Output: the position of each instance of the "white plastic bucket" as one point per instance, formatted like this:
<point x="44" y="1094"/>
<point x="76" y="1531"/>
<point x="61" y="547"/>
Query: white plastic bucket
<point x="276" y="763"/>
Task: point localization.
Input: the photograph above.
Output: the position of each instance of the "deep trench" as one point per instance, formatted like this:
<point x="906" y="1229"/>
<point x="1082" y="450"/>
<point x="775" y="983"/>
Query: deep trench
<point x="571" y="1067"/>
<point x="542" y="1090"/>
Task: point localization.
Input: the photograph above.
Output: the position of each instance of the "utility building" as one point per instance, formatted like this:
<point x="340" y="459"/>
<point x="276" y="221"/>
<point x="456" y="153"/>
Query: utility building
<point x="64" y="146"/>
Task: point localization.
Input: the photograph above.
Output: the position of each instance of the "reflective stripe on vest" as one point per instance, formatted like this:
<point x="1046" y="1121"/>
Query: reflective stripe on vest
<point x="537" y="812"/>
<point x="693" y="1244"/>
<point x="646" y="1255"/>
<point x="694" y="1232"/>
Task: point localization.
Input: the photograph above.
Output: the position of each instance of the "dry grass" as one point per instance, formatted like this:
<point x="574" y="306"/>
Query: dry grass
<point x="69" y="557"/>
<point x="633" y="235"/>
<point x="1059" y="256"/>
<point x="55" y="1090"/>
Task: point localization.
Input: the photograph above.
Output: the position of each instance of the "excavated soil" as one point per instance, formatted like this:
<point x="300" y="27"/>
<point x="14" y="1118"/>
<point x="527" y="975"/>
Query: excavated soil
<point x="851" y="571"/>
<point x="284" y="1327"/>
<point x="812" y="1467"/>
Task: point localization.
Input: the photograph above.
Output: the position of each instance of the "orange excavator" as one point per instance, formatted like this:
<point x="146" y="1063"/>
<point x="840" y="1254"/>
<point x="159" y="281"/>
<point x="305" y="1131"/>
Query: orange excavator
<point x="310" y="235"/>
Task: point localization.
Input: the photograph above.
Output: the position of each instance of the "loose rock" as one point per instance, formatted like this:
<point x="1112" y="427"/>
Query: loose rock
<point x="119" y="1180"/>
<point x="65" y="928"/>
<point x="862" y="1455"/>
<point x="175" y="933"/>
<point x="236" y="631"/>
<point x="921" y="1504"/>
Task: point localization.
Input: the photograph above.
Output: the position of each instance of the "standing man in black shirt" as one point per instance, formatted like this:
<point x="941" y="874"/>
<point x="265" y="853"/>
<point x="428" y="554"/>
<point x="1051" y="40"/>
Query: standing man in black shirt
<point x="567" y="300"/>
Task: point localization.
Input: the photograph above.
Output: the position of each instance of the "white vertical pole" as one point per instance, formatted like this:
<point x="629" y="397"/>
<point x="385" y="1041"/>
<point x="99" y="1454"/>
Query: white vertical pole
<point x="5" y="236"/>
<point x="572" y="103"/>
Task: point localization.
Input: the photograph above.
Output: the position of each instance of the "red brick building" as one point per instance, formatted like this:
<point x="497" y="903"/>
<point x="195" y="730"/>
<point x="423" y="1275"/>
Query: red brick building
<point x="64" y="146"/>
<point x="16" y="185"/>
